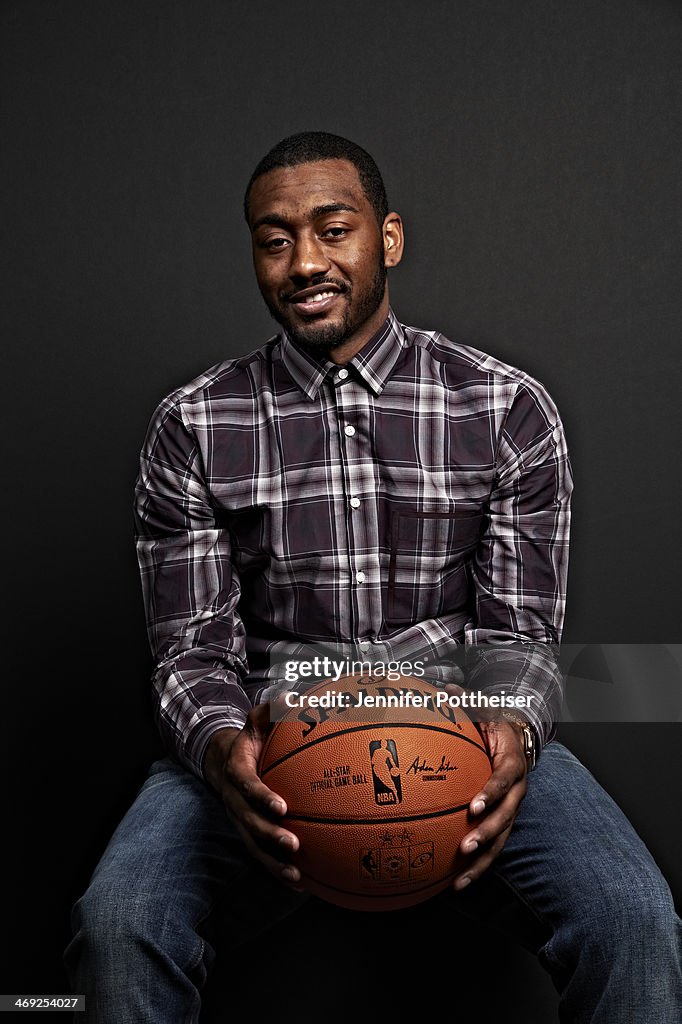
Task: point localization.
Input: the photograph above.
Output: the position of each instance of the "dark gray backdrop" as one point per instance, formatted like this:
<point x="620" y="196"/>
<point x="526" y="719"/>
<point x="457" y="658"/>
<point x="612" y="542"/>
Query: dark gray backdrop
<point x="533" y="150"/>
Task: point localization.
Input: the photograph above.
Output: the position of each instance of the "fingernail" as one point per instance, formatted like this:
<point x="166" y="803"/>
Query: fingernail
<point x="277" y="806"/>
<point x="470" y="845"/>
<point x="291" y="874"/>
<point x="289" y="842"/>
<point x="478" y="806"/>
<point x="462" y="883"/>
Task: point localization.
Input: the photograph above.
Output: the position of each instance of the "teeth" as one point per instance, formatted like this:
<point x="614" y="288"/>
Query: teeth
<point x="317" y="297"/>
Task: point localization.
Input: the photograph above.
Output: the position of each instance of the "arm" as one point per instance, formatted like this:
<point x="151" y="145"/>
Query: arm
<point x="519" y="577"/>
<point x="191" y="592"/>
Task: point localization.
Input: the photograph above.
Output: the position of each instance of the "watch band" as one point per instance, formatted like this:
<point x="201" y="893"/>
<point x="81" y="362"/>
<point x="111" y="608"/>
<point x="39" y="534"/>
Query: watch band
<point x="529" y="742"/>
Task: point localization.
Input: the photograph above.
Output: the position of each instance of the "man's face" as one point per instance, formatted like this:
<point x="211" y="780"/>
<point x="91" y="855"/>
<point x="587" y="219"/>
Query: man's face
<point x="319" y="253"/>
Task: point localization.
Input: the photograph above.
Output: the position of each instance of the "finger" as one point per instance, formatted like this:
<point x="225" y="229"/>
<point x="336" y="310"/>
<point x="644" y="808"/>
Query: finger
<point x="482" y="862"/>
<point x="270" y="844"/>
<point x="509" y="767"/>
<point x="253" y="791"/>
<point x="241" y="773"/>
<point x="274" y="840"/>
<point x="259" y="796"/>
<point x="495" y="822"/>
<point x="508" y="772"/>
<point x="284" y="871"/>
<point x="268" y="835"/>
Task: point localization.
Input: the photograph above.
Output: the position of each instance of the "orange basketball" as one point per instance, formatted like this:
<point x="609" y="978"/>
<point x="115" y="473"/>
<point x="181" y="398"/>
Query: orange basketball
<point x="377" y="790"/>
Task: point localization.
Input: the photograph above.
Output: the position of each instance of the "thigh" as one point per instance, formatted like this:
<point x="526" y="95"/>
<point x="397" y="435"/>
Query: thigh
<point x="177" y="848"/>
<point x="572" y="850"/>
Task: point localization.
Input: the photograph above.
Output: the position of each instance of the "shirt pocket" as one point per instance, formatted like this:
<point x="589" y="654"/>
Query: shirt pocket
<point x="427" y="573"/>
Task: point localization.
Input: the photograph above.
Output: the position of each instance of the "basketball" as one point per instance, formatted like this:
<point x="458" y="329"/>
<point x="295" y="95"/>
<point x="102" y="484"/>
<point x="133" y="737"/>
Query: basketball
<point x="377" y="785"/>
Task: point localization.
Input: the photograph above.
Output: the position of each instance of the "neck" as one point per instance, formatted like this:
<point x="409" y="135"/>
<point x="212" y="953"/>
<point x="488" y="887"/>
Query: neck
<point x="344" y="352"/>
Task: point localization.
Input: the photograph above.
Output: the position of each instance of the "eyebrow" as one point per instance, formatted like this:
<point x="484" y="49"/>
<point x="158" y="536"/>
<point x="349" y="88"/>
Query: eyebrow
<point x="317" y="211"/>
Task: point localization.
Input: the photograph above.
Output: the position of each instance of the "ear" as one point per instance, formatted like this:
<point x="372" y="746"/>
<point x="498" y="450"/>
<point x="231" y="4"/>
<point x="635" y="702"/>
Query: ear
<point x="394" y="239"/>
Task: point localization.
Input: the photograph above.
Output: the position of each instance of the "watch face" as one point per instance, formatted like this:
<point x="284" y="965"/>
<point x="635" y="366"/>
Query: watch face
<point x="529" y="746"/>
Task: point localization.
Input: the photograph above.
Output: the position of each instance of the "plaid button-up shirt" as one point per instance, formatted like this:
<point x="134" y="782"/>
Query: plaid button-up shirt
<point x="413" y="501"/>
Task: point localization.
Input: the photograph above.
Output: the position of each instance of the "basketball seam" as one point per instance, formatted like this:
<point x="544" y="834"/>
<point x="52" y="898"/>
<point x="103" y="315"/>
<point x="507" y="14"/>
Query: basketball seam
<point x="364" y="728"/>
<point x="441" y="883"/>
<point x="378" y="821"/>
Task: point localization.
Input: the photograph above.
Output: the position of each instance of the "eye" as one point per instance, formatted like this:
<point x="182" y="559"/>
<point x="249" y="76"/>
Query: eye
<point x="335" y="232"/>
<point x="275" y="243"/>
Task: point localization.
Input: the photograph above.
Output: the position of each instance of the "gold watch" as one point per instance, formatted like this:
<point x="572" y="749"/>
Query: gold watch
<point x="529" y="743"/>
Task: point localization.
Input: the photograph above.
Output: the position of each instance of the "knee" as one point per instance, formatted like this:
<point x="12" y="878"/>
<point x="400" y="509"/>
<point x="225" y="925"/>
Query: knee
<point x="634" y="913"/>
<point x="106" y="922"/>
<point x="129" y="947"/>
<point x="115" y="925"/>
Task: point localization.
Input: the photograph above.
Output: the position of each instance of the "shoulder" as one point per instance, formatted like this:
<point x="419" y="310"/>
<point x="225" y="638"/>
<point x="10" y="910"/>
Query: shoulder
<point x="228" y="380"/>
<point x="461" y="365"/>
<point x="467" y="360"/>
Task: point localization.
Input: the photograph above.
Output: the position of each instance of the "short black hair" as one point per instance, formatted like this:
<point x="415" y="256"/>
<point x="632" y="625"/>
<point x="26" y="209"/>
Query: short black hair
<point x="307" y="147"/>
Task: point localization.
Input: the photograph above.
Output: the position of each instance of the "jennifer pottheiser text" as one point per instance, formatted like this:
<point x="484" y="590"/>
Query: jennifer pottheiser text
<point x="406" y="699"/>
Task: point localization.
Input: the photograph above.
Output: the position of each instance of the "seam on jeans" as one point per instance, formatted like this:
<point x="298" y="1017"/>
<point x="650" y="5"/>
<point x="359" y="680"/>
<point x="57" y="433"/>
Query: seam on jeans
<point x="239" y="877"/>
<point x="547" y="950"/>
<point x="521" y="898"/>
<point x="551" y="957"/>
<point x="195" y="961"/>
<point x="196" y="925"/>
<point x="214" y="909"/>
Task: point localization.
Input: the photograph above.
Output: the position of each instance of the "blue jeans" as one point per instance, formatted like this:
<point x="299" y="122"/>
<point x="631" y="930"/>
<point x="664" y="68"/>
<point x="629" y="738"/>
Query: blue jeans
<point x="142" y="948"/>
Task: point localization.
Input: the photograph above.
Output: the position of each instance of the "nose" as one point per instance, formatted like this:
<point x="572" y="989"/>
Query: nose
<point x="308" y="258"/>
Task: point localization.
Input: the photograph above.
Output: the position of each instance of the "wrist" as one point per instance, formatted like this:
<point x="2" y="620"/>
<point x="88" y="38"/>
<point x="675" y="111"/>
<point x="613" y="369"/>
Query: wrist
<point x="217" y="753"/>
<point x="527" y="735"/>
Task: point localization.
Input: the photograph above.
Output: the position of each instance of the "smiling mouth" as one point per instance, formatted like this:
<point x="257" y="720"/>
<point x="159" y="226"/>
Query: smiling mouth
<point x="315" y="300"/>
<point x="316" y="297"/>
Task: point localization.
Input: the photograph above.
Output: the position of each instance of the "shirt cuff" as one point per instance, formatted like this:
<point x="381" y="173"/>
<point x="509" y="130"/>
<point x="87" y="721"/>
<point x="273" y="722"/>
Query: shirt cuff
<point x="534" y="711"/>
<point x="199" y="736"/>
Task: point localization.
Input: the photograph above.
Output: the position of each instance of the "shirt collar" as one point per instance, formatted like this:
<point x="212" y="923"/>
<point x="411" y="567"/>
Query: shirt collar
<point x="373" y="363"/>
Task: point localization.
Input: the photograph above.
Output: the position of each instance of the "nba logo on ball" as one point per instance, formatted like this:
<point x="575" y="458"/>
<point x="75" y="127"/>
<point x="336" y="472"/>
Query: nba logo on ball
<point x="385" y="771"/>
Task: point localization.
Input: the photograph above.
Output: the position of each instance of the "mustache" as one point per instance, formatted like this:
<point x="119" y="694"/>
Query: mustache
<point x="334" y="281"/>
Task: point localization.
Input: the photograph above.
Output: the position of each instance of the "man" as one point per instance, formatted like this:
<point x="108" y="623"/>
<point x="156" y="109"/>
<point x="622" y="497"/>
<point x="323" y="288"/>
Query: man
<point x="360" y="482"/>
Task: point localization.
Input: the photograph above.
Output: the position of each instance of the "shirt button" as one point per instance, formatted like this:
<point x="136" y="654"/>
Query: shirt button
<point x="355" y="503"/>
<point x="364" y="647"/>
<point x="360" y="576"/>
<point x="349" y="431"/>
<point x="342" y="374"/>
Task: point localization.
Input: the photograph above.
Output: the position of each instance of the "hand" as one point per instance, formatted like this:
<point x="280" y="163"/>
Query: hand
<point x="231" y="767"/>
<point x="500" y="798"/>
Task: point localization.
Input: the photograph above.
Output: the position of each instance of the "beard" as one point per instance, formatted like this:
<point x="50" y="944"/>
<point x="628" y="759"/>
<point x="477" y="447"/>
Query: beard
<point x="322" y="338"/>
